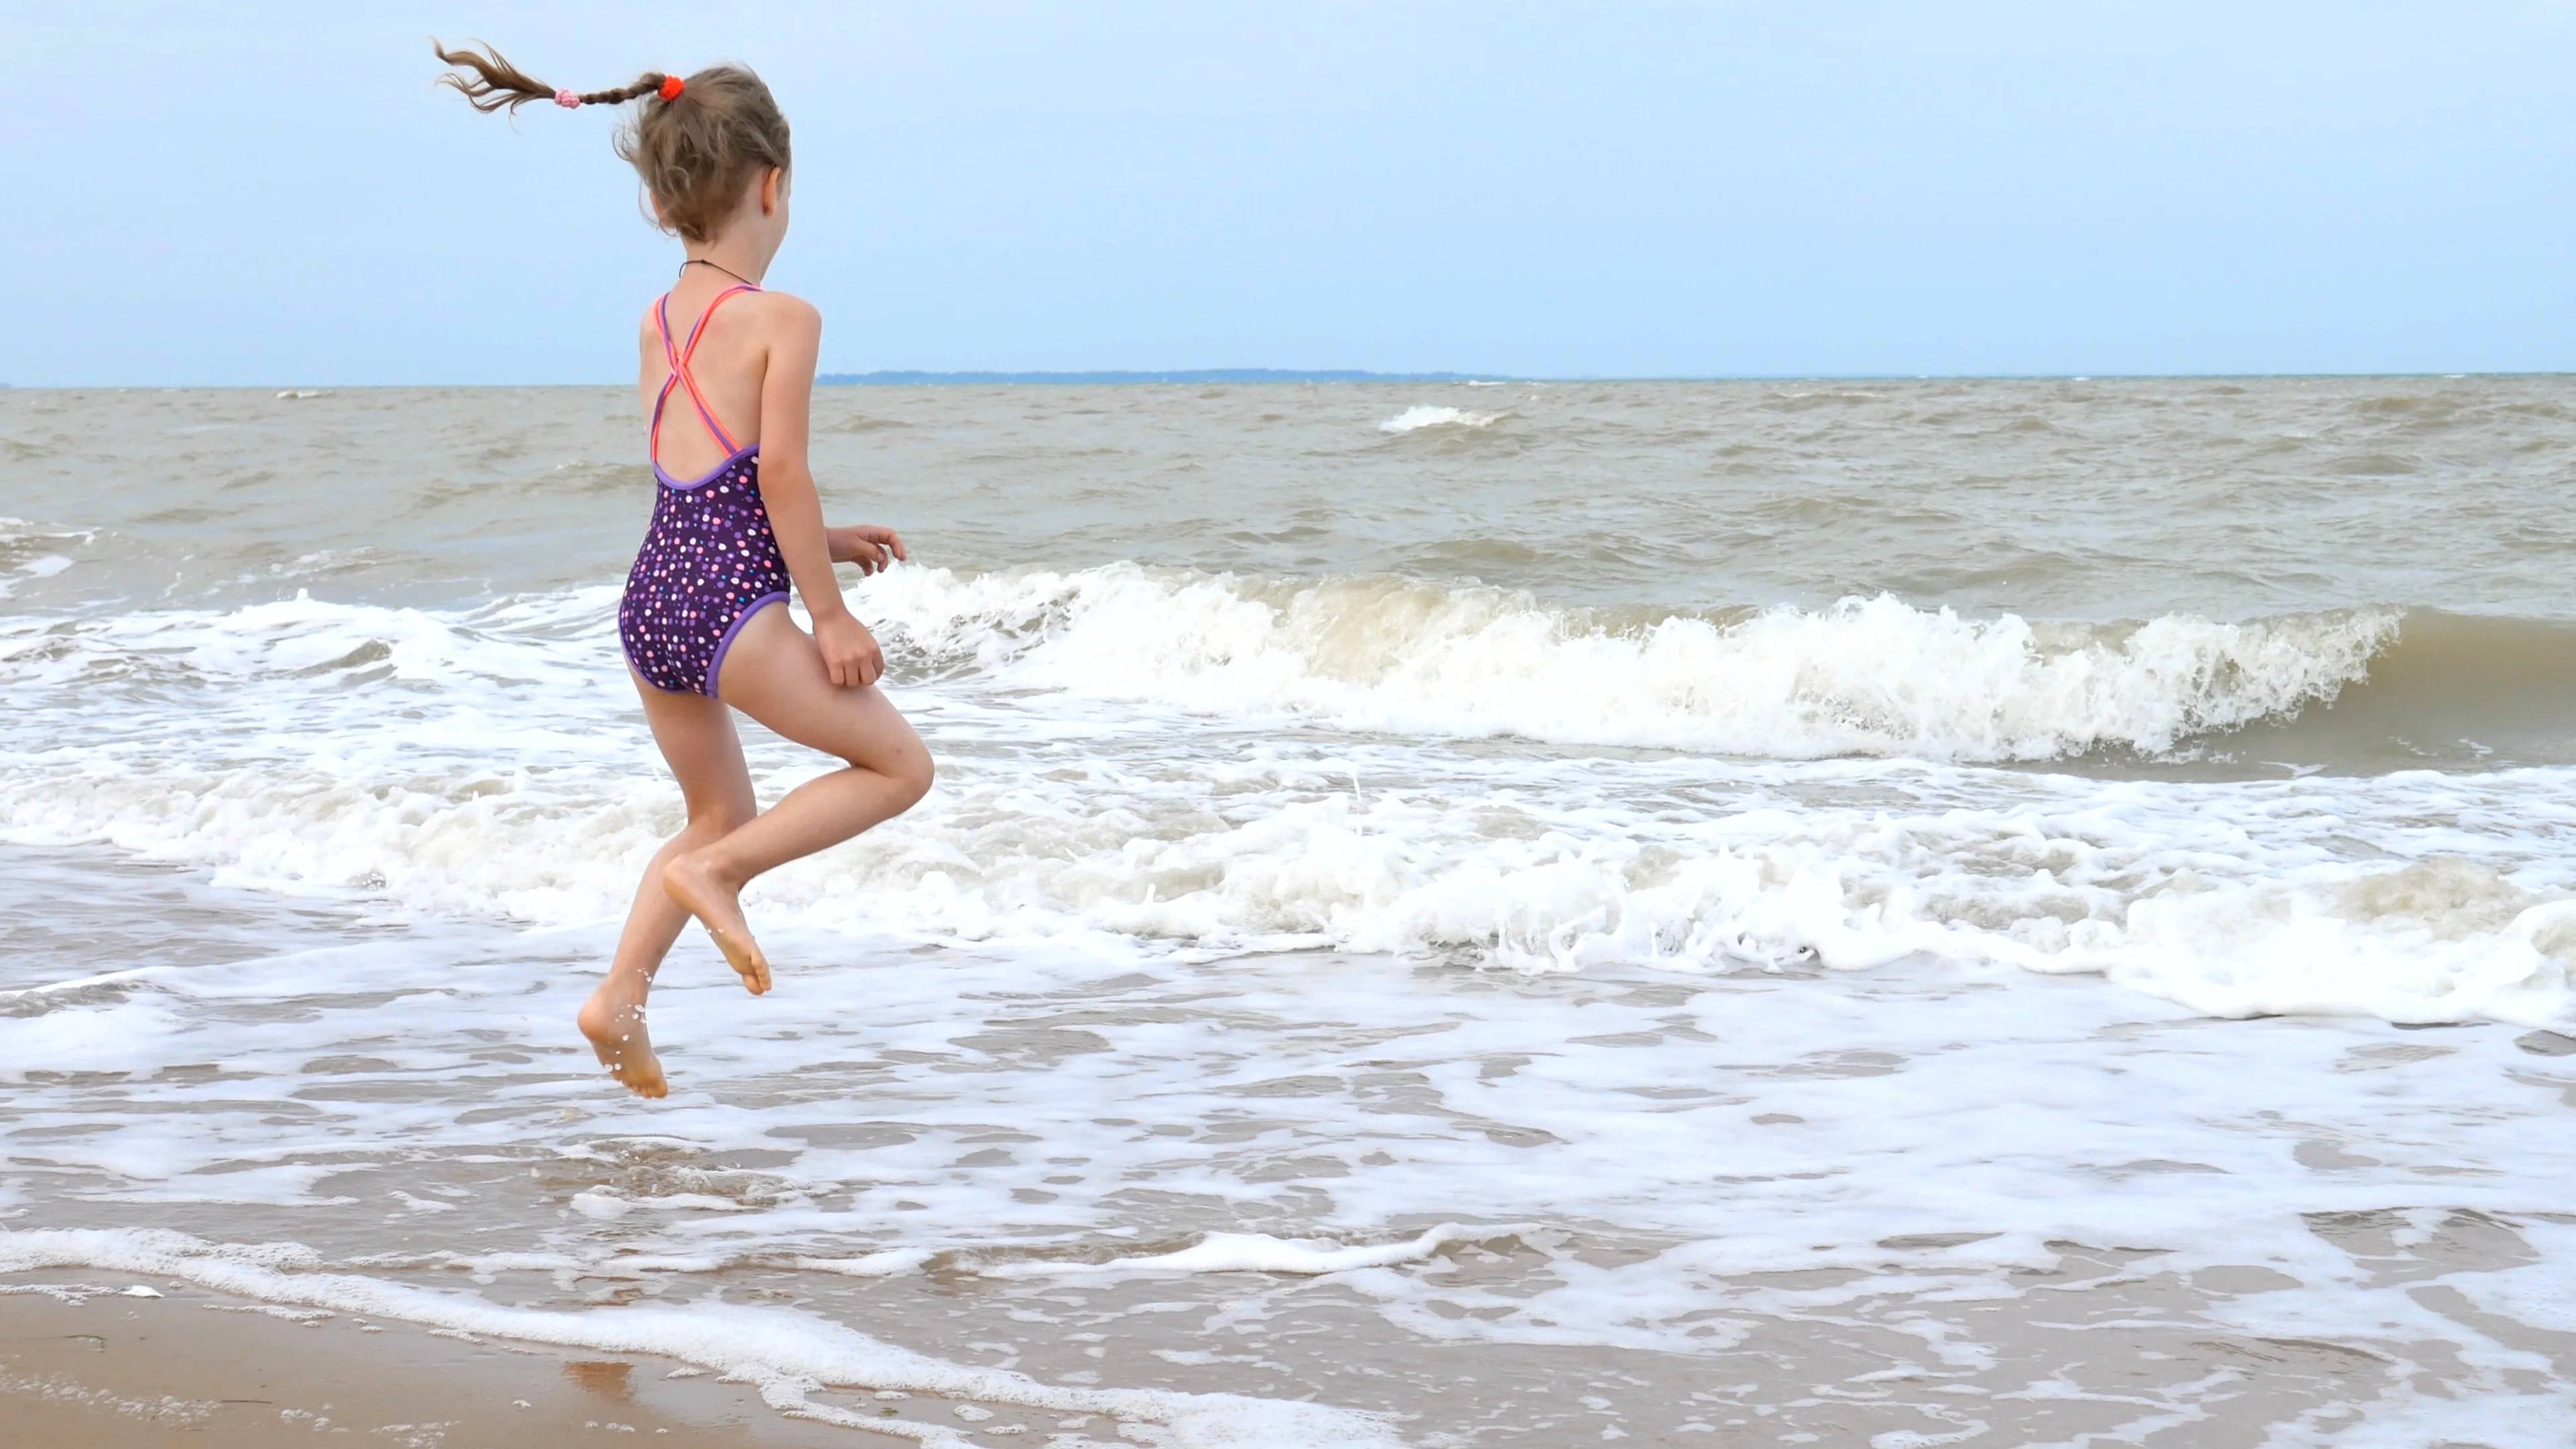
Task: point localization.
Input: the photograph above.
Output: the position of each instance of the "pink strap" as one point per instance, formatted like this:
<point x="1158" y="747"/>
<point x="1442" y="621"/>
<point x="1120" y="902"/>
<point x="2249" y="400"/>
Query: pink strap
<point x="680" y="375"/>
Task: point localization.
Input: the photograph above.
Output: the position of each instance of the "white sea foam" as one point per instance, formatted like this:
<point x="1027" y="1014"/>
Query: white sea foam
<point x="1250" y="1253"/>
<point x="1869" y="676"/>
<point x="1414" y="419"/>
<point x="31" y="551"/>
<point x="1114" y="760"/>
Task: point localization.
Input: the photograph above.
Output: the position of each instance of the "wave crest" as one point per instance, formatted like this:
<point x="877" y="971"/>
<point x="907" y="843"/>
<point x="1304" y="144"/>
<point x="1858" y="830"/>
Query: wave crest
<point x="489" y="763"/>
<point x="1863" y="677"/>
<point x="1414" y="419"/>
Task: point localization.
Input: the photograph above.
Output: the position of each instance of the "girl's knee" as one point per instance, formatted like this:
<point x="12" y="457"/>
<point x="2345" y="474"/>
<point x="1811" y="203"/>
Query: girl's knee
<point x="913" y="777"/>
<point x="907" y="771"/>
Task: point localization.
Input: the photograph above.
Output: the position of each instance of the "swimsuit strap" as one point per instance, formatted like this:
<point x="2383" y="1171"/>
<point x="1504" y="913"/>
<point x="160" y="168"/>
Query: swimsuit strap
<point x="678" y="357"/>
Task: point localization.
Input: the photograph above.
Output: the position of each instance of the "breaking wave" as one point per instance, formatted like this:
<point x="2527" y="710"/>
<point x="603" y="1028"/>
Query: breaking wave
<point x="1414" y="419"/>
<point x="1228" y="764"/>
<point x="1864" y="677"/>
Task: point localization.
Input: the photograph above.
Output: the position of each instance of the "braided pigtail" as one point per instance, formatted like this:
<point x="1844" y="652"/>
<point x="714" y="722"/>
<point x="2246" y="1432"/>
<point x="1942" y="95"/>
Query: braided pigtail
<point x="495" y="84"/>
<point x="695" y="156"/>
<point x="651" y="83"/>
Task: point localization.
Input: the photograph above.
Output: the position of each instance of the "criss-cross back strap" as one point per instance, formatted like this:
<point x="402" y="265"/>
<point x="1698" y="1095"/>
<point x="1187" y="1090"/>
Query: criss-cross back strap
<point x="678" y="357"/>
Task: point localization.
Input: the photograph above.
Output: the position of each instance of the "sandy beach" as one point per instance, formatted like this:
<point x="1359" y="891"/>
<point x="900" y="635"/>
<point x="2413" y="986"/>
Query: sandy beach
<point x="184" y="1368"/>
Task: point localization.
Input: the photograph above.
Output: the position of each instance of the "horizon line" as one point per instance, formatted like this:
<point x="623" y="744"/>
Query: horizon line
<point x="909" y="377"/>
<point x="899" y="377"/>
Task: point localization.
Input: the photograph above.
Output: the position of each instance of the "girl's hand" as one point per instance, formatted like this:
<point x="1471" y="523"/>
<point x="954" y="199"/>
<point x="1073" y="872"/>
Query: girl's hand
<point x="866" y="545"/>
<point x="850" y="653"/>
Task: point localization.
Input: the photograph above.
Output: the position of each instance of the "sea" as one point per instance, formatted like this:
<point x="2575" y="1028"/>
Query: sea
<point x="1891" y="913"/>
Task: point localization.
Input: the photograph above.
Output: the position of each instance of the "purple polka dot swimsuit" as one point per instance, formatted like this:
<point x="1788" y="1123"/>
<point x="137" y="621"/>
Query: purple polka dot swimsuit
<point x="709" y="561"/>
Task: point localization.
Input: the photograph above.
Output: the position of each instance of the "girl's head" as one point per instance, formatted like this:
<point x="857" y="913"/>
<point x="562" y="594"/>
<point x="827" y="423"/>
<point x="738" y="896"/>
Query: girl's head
<point x="707" y="145"/>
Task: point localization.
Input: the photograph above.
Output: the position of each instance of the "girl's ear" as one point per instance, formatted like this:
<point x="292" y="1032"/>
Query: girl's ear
<point x="770" y="185"/>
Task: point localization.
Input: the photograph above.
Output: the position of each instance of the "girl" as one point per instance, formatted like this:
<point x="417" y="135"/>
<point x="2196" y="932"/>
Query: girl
<point x="735" y="520"/>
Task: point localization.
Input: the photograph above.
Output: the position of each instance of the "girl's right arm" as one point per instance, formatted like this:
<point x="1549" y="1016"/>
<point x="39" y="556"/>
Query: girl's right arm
<point x="850" y="653"/>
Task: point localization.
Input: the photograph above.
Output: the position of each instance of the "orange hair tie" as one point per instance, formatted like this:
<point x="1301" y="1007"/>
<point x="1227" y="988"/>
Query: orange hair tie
<point x="672" y="86"/>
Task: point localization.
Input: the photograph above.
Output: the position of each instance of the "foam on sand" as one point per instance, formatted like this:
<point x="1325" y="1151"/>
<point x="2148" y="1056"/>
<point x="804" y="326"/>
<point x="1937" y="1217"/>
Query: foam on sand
<point x="1253" y="1253"/>
<point x="787" y="1354"/>
<point x="1074" y="1137"/>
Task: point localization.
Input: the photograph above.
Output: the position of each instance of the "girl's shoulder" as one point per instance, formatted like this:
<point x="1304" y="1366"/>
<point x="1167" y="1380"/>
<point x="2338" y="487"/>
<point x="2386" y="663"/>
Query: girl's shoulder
<point x="781" y="308"/>
<point x="782" y="313"/>
<point x="776" y="314"/>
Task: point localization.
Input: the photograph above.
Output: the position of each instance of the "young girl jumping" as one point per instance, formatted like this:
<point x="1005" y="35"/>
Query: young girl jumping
<point x="735" y="521"/>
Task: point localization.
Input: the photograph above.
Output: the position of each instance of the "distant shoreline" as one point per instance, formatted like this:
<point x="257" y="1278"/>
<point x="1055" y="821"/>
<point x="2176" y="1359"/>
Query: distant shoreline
<point x="1182" y="375"/>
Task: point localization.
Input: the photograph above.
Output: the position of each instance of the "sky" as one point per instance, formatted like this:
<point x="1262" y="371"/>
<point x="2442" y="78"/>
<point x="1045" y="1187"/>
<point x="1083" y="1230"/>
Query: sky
<point x="275" y="195"/>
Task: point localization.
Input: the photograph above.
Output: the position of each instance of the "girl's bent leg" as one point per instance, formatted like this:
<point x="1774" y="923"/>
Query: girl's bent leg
<point x="775" y="674"/>
<point x="697" y="739"/>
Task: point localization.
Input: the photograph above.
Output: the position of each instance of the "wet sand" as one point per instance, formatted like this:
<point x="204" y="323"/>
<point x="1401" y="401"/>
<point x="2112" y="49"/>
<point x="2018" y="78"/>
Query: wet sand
<point x="197" y="1369"/>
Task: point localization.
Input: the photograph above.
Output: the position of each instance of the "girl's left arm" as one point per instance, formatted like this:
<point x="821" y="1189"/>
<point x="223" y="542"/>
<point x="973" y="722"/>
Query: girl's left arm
<point x="850" y="653"/>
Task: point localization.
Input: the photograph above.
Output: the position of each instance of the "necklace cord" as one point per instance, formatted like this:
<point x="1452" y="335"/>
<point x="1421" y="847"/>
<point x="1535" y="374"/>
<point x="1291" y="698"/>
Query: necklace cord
<point x="728" y="271"/>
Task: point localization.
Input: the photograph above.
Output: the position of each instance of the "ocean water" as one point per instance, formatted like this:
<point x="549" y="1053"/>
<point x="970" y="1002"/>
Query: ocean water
<point x="1898" y="913"/>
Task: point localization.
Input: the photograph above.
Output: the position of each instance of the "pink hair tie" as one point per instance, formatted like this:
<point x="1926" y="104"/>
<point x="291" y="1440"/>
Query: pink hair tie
<point x="567" y="99"/>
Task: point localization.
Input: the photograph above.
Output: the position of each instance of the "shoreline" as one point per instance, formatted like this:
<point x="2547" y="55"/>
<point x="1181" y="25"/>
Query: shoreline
<point x="106" y="1370"/>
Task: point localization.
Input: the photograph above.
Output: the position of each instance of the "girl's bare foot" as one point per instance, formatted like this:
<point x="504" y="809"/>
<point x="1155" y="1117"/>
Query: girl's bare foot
<point x="717" y="903"/>
<point x="613" y="1019"/>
